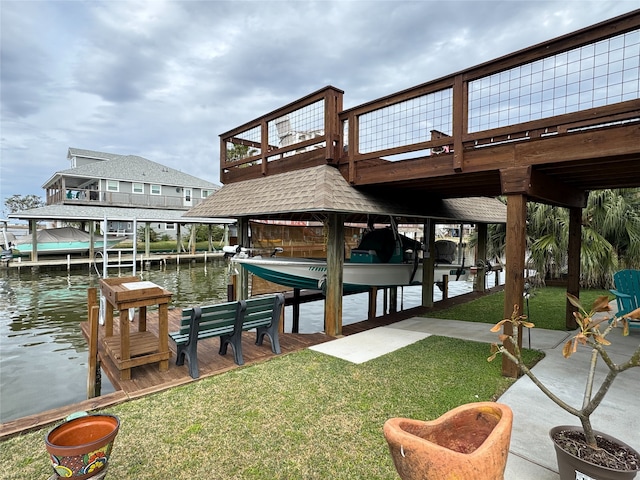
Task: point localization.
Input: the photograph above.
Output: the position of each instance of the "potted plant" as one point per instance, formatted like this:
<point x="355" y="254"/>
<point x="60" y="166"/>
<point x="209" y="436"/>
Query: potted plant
<point x="582" y="450"/>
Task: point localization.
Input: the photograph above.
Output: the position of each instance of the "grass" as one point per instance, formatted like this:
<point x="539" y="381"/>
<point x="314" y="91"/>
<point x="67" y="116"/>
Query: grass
<point x="301" y="415"/>
<point x="546" y="307"/>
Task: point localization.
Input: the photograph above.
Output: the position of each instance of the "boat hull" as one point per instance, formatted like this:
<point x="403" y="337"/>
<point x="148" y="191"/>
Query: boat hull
<point x="59" y="248"/>
<point x="63" y="240"/>
<point x="311" y="273"/>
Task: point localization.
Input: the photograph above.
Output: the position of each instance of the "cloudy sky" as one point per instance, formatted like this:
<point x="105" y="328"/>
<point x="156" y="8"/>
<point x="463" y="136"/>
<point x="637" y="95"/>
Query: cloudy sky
<point x="162" y="79"/>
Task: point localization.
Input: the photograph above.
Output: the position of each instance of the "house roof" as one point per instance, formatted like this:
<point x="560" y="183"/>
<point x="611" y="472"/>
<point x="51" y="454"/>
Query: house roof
<point x="79" y="152"/>
<point x="129" y="168"/>
<point x="72" y="213"/>
<point x="303" y="194"/>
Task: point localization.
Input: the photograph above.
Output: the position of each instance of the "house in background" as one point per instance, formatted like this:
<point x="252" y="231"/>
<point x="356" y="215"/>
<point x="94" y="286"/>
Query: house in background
<point x="118" y="183"/>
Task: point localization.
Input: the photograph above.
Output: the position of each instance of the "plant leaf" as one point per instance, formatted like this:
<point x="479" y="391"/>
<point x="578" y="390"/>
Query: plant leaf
<point x="601" y="304"/>
<point x="566" y="350"/>
<point x="574" y="301"/>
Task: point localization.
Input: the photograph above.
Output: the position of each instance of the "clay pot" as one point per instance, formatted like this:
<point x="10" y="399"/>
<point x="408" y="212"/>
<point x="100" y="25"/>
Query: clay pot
<point x="470" y="441"/>
<point x="569" y="466"/>
<point x="80" y="447"/>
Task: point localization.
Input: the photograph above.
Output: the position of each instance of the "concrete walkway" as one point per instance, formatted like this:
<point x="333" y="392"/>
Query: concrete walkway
<point x="531" y="454"/>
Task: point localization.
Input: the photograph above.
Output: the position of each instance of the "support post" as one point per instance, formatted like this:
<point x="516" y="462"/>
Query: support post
<point x="33" y="224"/>
<point x="429" y="231"/>
<point x="93" y="387"/>
<point x="480" y="284"/>
<point x="445" y="287"/>
<point x="147" y="239"/>
<point x="514" y="275"/>
<point x="573" y="263"/>
<point x="373" y="303"/>
<point x="295" y="325"/>
<point x="243" y="276"/>
<point x="335" y="265"/>
<point x="393" y="299"/>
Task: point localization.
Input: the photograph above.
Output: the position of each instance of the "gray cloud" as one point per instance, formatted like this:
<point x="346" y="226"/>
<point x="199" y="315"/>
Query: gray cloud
<point x="162" y="79"/>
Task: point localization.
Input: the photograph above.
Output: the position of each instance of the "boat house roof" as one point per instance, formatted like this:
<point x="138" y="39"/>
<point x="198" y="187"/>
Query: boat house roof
<point x="97" y="213"/>
<point x="304" y="194"/>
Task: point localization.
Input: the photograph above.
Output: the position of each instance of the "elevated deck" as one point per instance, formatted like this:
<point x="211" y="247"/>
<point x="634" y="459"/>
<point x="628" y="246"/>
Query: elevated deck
<point x="552" y="122"/>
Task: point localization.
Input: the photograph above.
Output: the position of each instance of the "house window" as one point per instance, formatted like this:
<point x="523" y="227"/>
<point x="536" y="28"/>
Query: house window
<point x="206" y="193"/>
<point x="169" y="226"/>
<point x="155" y="189"/>
<point x="138" y="188"/>
<point x="113" y="186"/>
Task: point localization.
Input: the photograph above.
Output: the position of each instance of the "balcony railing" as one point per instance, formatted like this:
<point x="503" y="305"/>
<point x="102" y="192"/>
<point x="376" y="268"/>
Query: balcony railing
<point x="119" y="199"/>
<point x="302" y="129"/>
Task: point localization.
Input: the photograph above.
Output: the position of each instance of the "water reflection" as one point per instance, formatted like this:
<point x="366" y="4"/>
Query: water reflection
<point x="43" y="355"/>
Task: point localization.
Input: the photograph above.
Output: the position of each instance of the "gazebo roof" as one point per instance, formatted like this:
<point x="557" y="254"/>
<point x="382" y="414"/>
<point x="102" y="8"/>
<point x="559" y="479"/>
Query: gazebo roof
<point x="311" y="192"/>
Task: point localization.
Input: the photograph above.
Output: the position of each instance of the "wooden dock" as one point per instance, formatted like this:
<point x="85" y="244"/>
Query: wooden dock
<point x="147" y="379"/>
<point x="82" y="262"/>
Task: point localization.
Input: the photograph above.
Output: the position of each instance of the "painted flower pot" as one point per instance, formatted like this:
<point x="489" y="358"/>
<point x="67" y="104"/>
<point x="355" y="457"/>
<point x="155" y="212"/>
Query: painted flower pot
<point x="80" y="448"/>
<point x="572" y="467"/>
<point x="470" y="442"/>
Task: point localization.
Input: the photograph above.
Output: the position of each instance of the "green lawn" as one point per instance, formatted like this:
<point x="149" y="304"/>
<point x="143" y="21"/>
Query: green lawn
<point x="546" y="307"/>
<point x="301" y="415"/>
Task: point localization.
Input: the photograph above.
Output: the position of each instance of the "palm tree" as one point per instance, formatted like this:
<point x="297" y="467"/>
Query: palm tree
<point x="610" y="237"/>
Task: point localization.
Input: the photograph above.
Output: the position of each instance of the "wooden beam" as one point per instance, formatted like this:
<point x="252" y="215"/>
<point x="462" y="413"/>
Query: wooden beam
<point x="335" y="265"/>
<point x="573" y="271"/>
<point x="540" y="187"/>
<point x="242" y="290"/>
<point x="459" y="123"/>
<point x="427" y="262"/>
<point x="480" y="283"/>
<point x="514" y="275"/>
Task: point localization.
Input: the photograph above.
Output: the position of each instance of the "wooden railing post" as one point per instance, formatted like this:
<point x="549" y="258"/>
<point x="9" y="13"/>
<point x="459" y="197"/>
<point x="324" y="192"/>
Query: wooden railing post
<point x="93" y="379"/>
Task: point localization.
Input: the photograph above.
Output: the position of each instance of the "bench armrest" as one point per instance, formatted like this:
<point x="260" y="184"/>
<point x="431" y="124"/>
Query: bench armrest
<point x="619" y="294"/>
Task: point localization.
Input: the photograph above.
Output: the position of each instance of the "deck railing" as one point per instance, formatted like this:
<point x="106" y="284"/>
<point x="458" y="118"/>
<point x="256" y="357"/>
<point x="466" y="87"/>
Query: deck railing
<point x="585" y="79"/>
<point x="308" y="126"/>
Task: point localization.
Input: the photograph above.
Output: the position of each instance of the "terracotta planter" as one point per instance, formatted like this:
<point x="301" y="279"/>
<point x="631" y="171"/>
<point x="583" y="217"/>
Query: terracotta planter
<point x="468" y="442"/>
<point x="80" y="447"/>
<point x="571" y="467"/>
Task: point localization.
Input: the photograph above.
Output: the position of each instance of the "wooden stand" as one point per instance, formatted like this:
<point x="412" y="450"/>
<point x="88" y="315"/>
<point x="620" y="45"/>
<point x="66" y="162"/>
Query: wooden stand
<point x="131" y="349"/>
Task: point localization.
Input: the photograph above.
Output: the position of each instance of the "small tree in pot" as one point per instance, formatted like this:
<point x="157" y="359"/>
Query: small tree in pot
<point x="587" y="445"/>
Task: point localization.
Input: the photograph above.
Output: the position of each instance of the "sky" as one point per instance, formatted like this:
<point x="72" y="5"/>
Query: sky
<point x="163" y="79"/>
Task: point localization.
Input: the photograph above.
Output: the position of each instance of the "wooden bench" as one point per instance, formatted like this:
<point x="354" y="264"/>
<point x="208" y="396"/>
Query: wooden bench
<point x="227" y="321"/>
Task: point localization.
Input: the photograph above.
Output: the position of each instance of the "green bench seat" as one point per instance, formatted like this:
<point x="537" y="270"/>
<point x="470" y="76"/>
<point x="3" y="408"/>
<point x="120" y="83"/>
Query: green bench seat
<point x="227" y="321"/>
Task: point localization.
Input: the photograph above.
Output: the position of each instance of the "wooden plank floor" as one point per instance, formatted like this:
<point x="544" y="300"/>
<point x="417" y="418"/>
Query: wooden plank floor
<point x="148" y="379"/>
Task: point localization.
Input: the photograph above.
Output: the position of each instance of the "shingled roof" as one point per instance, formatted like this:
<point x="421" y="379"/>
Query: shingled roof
<point x="130" y="168"/>
<point x="303" y="194"/>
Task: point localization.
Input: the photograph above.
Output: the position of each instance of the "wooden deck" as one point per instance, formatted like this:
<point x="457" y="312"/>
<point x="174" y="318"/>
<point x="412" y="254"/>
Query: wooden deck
<point x="148" y="379"/>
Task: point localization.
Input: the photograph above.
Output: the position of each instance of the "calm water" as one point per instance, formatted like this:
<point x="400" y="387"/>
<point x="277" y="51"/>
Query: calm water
<point x="43" y="355"/>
